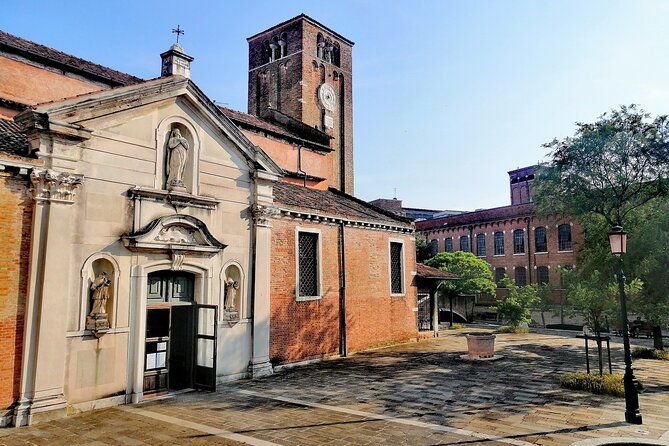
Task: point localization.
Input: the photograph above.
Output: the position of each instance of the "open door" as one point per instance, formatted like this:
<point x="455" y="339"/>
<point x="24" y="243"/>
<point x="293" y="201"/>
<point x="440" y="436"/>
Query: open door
<point x="205" y="347"/>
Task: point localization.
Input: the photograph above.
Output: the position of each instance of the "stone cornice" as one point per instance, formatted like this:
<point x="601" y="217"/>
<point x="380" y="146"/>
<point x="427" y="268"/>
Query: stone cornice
<point x="329" y="219"/>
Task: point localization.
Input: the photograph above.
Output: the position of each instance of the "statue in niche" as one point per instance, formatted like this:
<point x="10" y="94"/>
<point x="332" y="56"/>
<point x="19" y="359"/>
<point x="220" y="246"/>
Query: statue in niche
<point x="231" y="287"/>
<point x="98" y="319"/>
<point x="178" y="146"/>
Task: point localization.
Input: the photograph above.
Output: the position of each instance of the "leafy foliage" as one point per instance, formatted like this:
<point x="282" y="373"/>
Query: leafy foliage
<point x="512" y="329"/>
<point x="609" y="167"/>
<point x="650" y="353"/>
<point x="516" y="305"/>
<point x="474" y="275"/>
<point x="424" y="250"/>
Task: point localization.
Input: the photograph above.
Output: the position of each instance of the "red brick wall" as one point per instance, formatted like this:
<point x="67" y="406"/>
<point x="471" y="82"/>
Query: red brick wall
<point x="15" y="227"/>
<point x="303" y="330"/>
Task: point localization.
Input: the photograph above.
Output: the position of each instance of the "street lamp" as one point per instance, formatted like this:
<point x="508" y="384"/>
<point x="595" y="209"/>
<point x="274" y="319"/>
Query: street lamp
<point x="618" y="241"/>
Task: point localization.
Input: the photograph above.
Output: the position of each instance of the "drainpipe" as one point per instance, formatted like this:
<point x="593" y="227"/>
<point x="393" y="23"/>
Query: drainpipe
<point x="299" y="164"/>
<point x="343" y="351"/>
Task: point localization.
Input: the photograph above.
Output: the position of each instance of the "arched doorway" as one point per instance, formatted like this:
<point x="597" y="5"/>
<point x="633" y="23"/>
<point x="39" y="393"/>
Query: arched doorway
<point x="180" y="342"/>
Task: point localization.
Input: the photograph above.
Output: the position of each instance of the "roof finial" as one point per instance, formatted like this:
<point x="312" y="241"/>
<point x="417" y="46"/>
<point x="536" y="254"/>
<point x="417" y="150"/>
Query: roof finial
<point x="178" y="31"/>
<point x="395" y="193"/>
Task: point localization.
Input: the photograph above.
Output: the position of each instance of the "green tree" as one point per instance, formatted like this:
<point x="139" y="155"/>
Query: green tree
<point x="474" y="275"/>
<point x="648" y="256"/>
<point x="593" y="298"/>
<point x="515" y="307"/>
<point x="609" y="168"/>
<point x="424" y="250"/>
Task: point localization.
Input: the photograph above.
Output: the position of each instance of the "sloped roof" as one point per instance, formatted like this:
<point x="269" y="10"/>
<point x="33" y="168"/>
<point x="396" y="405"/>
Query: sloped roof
<point x="52" y="57"/>
<point x="428" y="272"/>
<point x="332" y="203"/>
<point x="12" y="139"/>
<point x="480" y="216"/>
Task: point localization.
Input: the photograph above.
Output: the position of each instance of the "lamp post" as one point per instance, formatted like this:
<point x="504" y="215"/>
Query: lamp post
<point x="618" y="241"/>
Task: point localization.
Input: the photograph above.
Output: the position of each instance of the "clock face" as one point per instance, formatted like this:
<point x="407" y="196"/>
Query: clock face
<point x="327" y="96"/>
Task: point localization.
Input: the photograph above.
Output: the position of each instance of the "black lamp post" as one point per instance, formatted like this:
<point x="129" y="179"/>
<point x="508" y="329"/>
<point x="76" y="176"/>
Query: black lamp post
<point x="618" y="241"/>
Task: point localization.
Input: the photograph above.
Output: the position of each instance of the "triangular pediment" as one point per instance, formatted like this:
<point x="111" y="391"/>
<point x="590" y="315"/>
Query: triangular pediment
<point x="174" y="233"/>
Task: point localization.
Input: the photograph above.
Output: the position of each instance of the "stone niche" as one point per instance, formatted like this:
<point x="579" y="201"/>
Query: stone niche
<point x="232" y="292"/>
<point x="100" y="283"/>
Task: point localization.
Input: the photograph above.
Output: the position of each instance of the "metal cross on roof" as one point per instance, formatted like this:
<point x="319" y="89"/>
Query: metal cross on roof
<point x="178" y="31"/>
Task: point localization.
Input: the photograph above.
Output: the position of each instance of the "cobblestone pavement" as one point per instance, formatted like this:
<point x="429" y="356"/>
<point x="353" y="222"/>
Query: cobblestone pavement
<point x="415" y="394"/>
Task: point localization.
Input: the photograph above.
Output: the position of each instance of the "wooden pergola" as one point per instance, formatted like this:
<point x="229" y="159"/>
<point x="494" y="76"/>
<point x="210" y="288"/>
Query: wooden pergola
<point x="430" y="278"/>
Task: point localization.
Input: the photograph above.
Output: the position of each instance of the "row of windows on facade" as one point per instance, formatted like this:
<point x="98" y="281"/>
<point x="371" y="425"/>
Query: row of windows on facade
<point x="308" y="266"/>
<point x="540" y="241"/>
<point x="277" y="48"/>
<point x="520" y="276"/>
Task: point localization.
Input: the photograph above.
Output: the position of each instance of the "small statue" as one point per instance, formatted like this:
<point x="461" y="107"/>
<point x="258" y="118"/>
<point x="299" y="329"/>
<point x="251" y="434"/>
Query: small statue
<point x="100" y="287"/>
<point x="178" y="146"/>
<point x="231" y="287"/>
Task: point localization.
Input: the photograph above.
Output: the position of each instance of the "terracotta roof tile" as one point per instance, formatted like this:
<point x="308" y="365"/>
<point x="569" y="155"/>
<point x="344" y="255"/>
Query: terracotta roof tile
<point x="428" y="272"/>
<point x="481" y="216"/>
<point x="332" y="203"/>
<point x="44" y="54"/>
<point x="12" y="140"/>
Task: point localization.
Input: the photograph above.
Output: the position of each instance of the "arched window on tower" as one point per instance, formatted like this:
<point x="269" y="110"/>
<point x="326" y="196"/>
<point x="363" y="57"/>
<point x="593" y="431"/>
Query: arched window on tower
<point x="274" y="49"/>
<point x="283" y="45"/>
<point x="336" y="54"/>
<point x="320" y="45"/>
<point x="266" y="52"/>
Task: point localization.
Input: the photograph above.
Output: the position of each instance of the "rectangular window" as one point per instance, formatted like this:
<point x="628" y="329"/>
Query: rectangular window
<point x="464" y="243"/>
<point x="564" y="238"/>
<point x="480" y="245"/>
<point x="308" y="264"/>
<point x="542" y="275"/>
<point x="449" y="244"/>
<point x="540" y="240"/>
<point x="396" y="268"/>
<point x="499" y="243"/>
<point x="518" y="241"/>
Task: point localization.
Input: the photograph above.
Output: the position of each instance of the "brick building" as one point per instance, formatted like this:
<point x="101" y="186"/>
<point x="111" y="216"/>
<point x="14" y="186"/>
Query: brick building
<point x="154" y="241"/>
<point x="512" y="239"/>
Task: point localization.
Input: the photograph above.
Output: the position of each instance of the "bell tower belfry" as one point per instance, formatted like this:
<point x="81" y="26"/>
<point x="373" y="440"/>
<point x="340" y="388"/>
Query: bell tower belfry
<point x="303" y="69"/>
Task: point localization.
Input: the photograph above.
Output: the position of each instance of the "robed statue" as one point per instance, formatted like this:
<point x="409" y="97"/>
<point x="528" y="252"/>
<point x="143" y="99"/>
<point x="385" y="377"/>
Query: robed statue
<point x="100" y="288"/>
<point x="231" y="287"/>
<point x="178" y="146"/>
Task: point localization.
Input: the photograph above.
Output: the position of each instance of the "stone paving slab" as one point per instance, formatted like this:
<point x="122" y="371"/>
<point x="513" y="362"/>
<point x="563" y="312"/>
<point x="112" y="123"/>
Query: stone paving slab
<point x="415" y="394"/>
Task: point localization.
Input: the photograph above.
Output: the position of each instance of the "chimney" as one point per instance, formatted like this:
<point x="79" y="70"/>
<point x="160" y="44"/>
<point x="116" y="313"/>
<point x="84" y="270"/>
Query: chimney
<point x="175" y="62"/>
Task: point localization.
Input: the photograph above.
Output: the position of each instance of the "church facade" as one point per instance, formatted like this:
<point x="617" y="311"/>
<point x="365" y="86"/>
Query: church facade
<point x="159" y="242"/>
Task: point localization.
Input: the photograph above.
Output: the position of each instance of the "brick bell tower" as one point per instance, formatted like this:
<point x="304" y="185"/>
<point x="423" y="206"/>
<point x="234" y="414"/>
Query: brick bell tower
<point x="303" y="69"/>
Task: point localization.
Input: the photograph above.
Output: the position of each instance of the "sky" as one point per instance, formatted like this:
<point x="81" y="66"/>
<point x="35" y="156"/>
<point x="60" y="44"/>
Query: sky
<point x="448" y="96"/>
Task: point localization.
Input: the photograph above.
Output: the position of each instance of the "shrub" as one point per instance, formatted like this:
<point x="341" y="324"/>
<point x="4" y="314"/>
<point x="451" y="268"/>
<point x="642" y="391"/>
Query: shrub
<point x="650" y="353"/>
<point x="512" y="329"/>
<point x="456" y="327"/>
<point x="600" y="385"/>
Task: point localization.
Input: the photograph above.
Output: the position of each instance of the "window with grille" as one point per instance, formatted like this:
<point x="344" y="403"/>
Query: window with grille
<point x="499" y="243"/>
<point x="396" y="282"/>
<point x="521" y="276"/>
<point x="540" y="240"/>
<point x="464" y="243"/>
<point x="542" y="275"/>
<point x="499" y="275"/>
<point x="564" y="238"/>
<point x="480" y="245"/>
<point x="449" y="244"/>
<point x="518" y="241"/>
<point x="308" y="264"/>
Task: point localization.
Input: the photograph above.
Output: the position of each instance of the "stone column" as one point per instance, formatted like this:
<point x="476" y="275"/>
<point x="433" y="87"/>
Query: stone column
<point x="43" y="366"/>
<point x="262" y="226"/>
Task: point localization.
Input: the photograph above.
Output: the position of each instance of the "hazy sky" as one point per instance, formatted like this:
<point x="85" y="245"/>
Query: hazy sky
<point x="447" y="95"/>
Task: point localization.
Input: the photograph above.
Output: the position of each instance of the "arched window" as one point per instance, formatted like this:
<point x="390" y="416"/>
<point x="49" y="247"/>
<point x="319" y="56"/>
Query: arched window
<point x="320" y="45"/>
<point x="521" y="276"/>
<point x="274" y="49"/>
<point x="336" y="54"/>
<point x="283" y="45"/>
<point x="499" y="243"/>
<point x="434" y="246"/>
<point x="266" y="52"/>
<point x="540" y="240"/>
<point x="499" y="275"/>
<point x="480" y="245"/>
<point x="542" y="275"/>
<point x="448" y="244"/>
<point x="464" y="243"/>
<point x="518" y="241"/>
<point x="564" y="237"/>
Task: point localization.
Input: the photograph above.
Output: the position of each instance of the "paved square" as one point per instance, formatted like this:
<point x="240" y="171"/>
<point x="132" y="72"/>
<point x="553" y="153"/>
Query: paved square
<point x="415" y="394"/>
